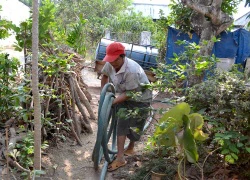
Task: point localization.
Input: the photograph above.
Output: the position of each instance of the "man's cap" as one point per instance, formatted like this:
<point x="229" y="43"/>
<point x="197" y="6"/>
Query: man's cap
<point x="113" y="51"/>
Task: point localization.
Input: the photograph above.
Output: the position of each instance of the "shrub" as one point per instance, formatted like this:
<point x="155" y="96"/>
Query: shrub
<point x="225" y="102"/>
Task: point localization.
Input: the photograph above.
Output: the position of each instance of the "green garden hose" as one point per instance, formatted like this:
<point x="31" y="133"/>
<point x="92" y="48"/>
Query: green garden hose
<point x="105" y="115"/>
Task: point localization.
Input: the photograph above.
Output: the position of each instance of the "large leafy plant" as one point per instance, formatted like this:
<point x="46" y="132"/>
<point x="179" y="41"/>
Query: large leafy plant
<point x="178" y="128"/>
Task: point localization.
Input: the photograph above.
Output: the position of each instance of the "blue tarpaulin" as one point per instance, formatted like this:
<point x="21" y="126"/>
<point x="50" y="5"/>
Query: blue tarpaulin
<point x="234" y="45"/>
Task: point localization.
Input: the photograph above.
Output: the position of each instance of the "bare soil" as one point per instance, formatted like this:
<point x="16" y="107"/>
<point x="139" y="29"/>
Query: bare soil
<point x="73" y="162"/>
<point x="70" y="161"/>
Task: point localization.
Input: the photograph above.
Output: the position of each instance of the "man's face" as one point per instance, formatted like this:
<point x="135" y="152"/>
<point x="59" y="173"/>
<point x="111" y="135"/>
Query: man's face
<point x="117" y="64"/>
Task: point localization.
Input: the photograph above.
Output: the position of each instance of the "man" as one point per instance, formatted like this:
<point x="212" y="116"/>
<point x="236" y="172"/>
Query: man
<point x="128" y="78"/>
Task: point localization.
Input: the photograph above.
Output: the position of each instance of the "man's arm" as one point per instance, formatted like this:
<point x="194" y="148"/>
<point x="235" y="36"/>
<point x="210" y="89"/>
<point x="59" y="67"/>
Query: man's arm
<point x="104" y="80"/>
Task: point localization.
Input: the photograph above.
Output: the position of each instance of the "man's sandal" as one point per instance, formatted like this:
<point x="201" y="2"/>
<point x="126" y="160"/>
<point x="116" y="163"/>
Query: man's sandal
<point x="115" y="165"/>
<point x="129" y="152"/>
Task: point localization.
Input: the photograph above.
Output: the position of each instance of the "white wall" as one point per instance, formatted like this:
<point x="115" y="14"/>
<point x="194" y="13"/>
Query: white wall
<point x="14" y="11"/>
<point x="151" y="9"/>
<point x="17" y="12"/>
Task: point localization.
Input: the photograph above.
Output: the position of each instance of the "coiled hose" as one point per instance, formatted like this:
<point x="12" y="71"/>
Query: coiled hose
<point x="107" y="129"/>
<point x="106" y="115"/>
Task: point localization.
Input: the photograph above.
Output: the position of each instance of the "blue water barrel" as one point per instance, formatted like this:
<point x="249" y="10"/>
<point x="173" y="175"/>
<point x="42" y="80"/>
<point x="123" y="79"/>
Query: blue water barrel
<point x="151" y="57"/>
<point x="101" y="49"/>
<point x="146" y="56"/>
<point x="138" y="54"/>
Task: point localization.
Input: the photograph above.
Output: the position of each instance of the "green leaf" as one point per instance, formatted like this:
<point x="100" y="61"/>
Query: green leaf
<point x="222" y="136"/>
<point x="225" y="151"/>
<point x="166" y="136"/>
<point x="239" y="144"/>
<point x="229" y="159"/>
<point x="69" y="120"/>
<point x="234" y="156"/>
<point x="25" y="116"/>
<point x="170" y="124"/>
<point x="234" y="149"/>
<point x="196" y="121"/>
<point x="248" y="149"/>
<point x="24" y="174"/>
<point x="176" y="113"/>
<point x="188" y="141"/>
<point x="200" y="135"/>
<point x="39" y="172"/>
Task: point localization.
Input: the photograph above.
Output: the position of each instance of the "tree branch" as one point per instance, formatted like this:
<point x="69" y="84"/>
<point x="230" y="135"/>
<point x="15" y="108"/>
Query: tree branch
<point x="213" y="12"/>
<point x="83" y="99"/>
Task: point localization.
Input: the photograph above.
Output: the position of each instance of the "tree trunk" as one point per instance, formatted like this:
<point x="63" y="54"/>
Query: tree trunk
<point x="207" y="21"/>
<point x="35" y="89"/>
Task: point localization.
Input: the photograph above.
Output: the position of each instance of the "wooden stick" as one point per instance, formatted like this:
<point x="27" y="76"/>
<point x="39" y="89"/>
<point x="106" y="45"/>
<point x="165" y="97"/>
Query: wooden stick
<point x="87" y="94"/>
<point x="75" y="99"/>
<point x="60" y="93"/>
<point x="7" y="150"/>
<point x="16" y="164"/>
<point x="2" y="139"/>
<point x="72" y="97"/>
<point x="82" y="83"/>
<point x="84" y="120"/>
<point x="48" y="100"/>
<point x="72" y="127"/>
<point x="84" y="100"/>
<point x="77" y="126"/>
<point x="12" y="141"/>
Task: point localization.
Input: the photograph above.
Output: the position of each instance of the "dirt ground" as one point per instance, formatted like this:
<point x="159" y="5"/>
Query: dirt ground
<point x="73" y="162"/>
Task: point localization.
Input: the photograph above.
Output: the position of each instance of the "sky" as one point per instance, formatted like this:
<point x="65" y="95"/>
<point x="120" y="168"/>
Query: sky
<point x="241" y="9"/>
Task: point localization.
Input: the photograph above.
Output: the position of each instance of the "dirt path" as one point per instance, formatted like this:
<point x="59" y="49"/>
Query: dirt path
<point x="73" y="162"/>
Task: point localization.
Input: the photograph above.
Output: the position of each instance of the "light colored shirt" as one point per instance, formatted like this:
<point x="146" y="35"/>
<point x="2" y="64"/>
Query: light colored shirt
<point x="129" y="78"/>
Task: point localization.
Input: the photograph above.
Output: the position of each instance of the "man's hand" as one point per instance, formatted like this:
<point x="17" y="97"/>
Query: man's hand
<point x="121" y="98"/>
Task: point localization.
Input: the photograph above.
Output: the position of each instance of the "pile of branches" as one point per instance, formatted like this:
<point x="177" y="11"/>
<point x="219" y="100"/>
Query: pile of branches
<point x="71" y="107"/>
